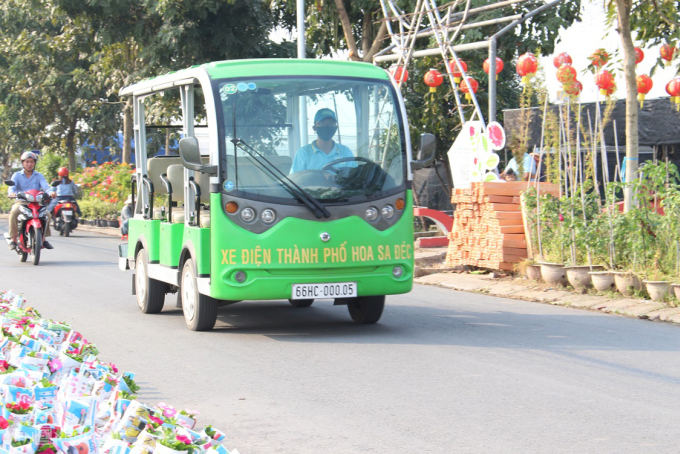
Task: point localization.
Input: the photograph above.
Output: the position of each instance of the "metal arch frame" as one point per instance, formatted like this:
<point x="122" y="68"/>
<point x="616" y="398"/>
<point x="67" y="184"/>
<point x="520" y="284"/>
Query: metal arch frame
<point x="403" y="42"/>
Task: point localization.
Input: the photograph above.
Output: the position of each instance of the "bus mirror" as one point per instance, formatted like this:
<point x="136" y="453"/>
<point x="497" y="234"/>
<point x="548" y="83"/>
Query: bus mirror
<point x="191" y="156"/>
<point x="426" y="151"/>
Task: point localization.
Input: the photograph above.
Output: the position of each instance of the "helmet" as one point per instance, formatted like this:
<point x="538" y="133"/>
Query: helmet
<point x="29" y="154"/>
<point x="62" y="172"/>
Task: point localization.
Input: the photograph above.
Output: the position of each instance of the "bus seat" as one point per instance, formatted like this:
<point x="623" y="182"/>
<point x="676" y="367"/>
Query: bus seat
<point x="157" y="166"/>
<point x="205" y="219"/>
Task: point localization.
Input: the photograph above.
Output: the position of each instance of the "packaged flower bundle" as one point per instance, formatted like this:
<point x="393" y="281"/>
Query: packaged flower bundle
<point x="58" y="398"/>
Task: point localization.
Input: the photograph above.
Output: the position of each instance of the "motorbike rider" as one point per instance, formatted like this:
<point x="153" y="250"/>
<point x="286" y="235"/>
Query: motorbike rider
<point x="67" y="190"/>
<point x="25" y="180"/>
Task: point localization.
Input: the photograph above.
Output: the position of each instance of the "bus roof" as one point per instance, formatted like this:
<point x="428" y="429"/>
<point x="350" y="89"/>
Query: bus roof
<point x="258" y="67"/>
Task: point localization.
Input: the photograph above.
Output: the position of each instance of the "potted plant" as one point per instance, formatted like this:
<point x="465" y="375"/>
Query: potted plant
<point x="169" y="442"/>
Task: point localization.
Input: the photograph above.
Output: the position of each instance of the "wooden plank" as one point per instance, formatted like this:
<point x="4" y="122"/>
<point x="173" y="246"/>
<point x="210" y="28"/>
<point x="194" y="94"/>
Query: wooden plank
<point x="500" y="199"/>
<point x="514" y="251"/>
<point x="508" y="243"/>
<point x="508" y="215"/>
<point x="508" y="222"/>
<point x="527" y="228"/>
<point x="513" y="237"/>
<point x="503" y="206"/>
<point x="513" y="229"/>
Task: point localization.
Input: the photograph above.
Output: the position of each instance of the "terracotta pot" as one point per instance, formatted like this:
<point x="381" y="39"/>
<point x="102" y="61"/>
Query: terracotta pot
<point x="627" y="283"/>
<point x="658" y="290"/>
<point x="554" y="274"/>
<point x="603" y="280"/>
<point x="579" y="276"/>
<point x="534" y="272"/>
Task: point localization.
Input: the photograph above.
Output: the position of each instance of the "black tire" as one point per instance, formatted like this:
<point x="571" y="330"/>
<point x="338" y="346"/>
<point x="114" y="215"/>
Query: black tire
<point x="36" y="245"/>
<point x="23" y="256"/>
<point x="150" y="292"/>
<point x="300" y="303"/>
<point x="366" y="310"/>
<point x="67" y="228"/>
<point x="200" y="311"/>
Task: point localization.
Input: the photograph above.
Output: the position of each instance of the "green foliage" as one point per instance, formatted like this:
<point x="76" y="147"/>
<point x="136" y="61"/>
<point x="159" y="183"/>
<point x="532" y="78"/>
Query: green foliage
<point x="49" y="163"/>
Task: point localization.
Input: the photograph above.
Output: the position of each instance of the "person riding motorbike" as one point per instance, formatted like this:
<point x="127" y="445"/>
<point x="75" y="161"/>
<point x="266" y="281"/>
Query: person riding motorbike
<point x="25" y="180"/>
<point x="67" y="190"/>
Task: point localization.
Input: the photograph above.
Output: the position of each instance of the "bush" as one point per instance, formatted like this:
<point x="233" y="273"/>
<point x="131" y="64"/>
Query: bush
<point x="49" y="163"/>
<point x="104" y="189"/>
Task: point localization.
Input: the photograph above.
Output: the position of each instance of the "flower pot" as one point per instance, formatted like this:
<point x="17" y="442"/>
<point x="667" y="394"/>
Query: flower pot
<point x="554" y="274"/>
<point x="627" y="283"/>
<point x="579" y="276"/>
<point x="534" y="272"/>
<point x="675" y="290"/>
<point x="658" y="290"/>
<point x="603" y="280"/>
<point x="113" y="223"/>
<point x="102" y="223"/>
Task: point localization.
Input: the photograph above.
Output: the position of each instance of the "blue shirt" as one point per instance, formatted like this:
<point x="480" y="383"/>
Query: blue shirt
<point x="22" y="183"/>
<point x="528" y="165"/>
<point x="66" y="189"/>
<point x="310" y="157"/>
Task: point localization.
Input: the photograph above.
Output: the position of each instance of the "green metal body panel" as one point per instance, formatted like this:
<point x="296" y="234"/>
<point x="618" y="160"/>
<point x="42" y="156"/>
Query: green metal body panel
<point x="171" y="237"/>
<point x="198" y="239"/>
<point x="291" y="67"/>
<point x="292" y="252"/>
<point x="148" y="231"/>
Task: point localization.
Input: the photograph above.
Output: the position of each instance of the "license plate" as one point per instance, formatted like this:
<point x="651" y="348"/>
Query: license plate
<point x="67" y="212"/>
<point x="334" y="290"/>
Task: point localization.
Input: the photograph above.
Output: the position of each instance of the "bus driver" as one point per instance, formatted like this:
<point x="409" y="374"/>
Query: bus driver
<point x="324" y="149"/>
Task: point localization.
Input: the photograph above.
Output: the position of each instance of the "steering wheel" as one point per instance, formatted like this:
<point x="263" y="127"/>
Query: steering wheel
<point x="331" y="165"/>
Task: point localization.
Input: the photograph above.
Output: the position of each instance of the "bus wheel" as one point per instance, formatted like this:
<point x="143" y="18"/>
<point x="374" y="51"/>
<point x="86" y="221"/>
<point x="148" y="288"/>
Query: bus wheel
<point x="300" y="303"/>
<point x="200" y="311"/>
<point x="150" y="292"/>
<point x="366" y="310"/>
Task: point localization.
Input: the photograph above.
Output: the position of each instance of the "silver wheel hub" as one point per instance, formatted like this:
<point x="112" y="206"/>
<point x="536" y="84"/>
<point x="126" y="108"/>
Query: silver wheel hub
<point x="140" y="281"/>
<point x="188" y="294"/>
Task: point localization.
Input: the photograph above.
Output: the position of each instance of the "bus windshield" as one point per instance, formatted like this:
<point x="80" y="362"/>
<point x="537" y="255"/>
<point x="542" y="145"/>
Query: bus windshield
<point x="336" y="140"/>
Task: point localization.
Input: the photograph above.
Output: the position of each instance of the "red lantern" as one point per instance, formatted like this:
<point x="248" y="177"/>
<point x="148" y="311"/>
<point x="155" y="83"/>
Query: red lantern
<point x="453" y="67"/>
<point x="499" y="66"/>
<point x="673" y="89"/>
<point x="667" y="52"/>
<point x="599" y="58"/>
<point x="644" y="84"/>
<point x="562" y="59"/>
<point x="574" y="88"/>
<point x="464" y="87"/>
<point x="639" y="55"/>
<point x="400" y="74"/>
<point x="566" y="74"/>
<point x="604" y="80"/>
<point x="527" y="65"/>
<point x="433" y="79"/>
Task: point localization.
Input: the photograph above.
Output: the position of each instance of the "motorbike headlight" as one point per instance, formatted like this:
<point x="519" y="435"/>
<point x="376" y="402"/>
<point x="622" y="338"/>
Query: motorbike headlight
<point x="25" y="211"/>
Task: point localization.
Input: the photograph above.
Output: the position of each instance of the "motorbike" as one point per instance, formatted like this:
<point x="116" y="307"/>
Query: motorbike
<point x="32" y="221"/>
<point x="65" y="216"/>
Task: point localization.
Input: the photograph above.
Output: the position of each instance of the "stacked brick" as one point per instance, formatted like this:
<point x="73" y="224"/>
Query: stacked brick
<point x="488" y="229"/>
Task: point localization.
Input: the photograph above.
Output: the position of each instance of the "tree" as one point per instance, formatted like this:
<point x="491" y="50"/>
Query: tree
<point x="653" y="23"/>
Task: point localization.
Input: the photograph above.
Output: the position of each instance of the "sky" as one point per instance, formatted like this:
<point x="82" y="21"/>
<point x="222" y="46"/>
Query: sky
<point x="583" y="38"/>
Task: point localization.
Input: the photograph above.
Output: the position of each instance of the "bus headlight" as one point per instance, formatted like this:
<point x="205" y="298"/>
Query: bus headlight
<point x="240" y="276"/>
<point x="397" y="271"/>
<point x="268" y="216"/>
<point x="387" y="212"/>
<point x="371" y="214"/>
<point x="247" y="214"/>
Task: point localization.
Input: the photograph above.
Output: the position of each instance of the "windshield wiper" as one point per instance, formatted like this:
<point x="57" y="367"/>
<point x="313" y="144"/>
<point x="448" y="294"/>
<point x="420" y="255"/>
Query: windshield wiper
<point x="314" y="205"/>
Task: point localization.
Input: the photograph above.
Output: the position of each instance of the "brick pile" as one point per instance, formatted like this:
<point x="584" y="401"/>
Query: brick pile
<point x="488" y="229"/>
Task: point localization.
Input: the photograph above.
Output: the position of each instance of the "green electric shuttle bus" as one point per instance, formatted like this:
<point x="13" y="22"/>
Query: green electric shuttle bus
<point x="293" y="182"/>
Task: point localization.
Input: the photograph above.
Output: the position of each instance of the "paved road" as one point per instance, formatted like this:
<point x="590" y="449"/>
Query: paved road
<point x="443" y="372"/>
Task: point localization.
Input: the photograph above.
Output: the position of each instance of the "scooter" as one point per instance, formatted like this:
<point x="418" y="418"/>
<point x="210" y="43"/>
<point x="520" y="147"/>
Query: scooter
<point x="65" y="216"/>
<point x="32" y="221"/>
